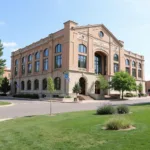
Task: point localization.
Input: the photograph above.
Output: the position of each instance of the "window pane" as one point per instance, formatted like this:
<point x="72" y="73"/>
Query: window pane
<point x="116" y="67"/>
<point x="58" y="61"/>
<point x="82" y="48"/>
<point x="37" y="66"/>
<point x="81" y="61"/>
<point x="45" y="67"/>
<point x="134" y="72"/>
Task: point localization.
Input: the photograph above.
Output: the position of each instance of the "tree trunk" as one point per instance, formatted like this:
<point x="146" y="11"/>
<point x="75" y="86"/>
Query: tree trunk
<point x="122" y="94"/>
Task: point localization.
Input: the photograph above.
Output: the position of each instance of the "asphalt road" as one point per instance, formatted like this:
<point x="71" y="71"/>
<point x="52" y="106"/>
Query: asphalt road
<point x="27" y="108"/>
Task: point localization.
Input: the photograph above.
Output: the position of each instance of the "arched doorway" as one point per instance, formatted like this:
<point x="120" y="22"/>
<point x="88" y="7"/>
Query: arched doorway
<point x="97" y="87"/>
<point x="82" y="84"/>
<point x="15" y="87"/>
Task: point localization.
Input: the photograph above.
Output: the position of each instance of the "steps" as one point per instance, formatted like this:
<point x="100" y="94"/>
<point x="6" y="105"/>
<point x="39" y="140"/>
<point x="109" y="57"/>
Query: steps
<point x="85" y="97"/>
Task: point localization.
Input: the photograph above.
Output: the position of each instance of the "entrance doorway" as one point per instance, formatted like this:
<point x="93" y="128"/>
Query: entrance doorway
<point x="82" y="84"/>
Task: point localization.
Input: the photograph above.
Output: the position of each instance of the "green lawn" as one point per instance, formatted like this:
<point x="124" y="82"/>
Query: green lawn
<point x="75" y="131"/>
<point x="4" y="103"/>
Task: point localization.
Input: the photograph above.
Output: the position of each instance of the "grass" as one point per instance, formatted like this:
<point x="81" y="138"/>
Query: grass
<point x="4" y="103"/>
<point x="75" y="131"/>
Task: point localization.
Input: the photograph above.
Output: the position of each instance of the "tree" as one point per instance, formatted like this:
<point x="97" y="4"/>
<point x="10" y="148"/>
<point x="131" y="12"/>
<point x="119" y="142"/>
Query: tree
<point x="51" y="89"/>
<point x="140" y="88"/>
<point x="5" y="86"/>
<point x="2" y="62"/>
<point x="122" y="81"/>
<point x="103" y="84"/>
<point x="76" y="89"/>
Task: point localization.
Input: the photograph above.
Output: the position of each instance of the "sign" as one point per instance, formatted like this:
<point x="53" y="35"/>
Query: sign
<point x="66" y="76"/>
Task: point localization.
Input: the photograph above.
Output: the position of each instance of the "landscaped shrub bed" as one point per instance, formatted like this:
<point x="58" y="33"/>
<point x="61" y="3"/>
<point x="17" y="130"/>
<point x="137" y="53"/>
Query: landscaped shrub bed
<point x="117" y="123"/>
<point x="122" y="109"/>
<point x="106" y="109"/>
<point x="32" y="96"/>
<point x="109" y="109"/>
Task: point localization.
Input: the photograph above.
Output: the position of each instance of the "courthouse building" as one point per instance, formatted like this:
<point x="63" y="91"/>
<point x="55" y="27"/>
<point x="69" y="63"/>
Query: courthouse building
<point x="70" y="55"/>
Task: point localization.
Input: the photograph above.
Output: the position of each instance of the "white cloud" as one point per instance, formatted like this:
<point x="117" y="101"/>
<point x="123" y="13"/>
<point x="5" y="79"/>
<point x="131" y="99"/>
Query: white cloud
<point x="2" y="23"/>
<point x="9" y="44"/>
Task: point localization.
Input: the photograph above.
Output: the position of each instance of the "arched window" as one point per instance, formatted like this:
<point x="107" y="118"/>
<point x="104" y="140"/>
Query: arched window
<point x="36" y="84"/>
<point x="44" y="84"/>
<point x="37" y="55"/>
<point x="46" y="52"/>
<point x="58" y="48"/>
<point x="22" y="85"/>
<point x="127" y="62"/>
<point x="82" y="48"/>
<point x="30" y="58"/>
<point x="57" y="82"/>
<point x="116" y="58"/>
<point x="133" y="64"/>
<point x="140" y="66"/>
<point x="28" y="85"/>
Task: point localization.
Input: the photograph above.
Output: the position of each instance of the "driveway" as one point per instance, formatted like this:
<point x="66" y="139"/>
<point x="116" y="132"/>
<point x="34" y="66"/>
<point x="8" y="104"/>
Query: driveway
<point x="27" y="108"/>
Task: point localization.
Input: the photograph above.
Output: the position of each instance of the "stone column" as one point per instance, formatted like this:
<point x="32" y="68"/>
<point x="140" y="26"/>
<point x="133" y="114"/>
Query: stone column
<point x="143" y="75"/>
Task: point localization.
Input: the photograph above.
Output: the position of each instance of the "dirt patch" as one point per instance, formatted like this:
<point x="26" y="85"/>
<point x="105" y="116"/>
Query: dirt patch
<point x="127" y="129"/>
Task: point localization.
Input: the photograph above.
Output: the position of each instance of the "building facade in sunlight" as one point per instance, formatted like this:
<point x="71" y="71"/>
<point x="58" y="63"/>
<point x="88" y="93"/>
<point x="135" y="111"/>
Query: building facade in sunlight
<point x="70" y="55"/>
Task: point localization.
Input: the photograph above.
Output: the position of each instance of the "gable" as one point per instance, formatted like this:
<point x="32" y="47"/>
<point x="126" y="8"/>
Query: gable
<point x="96" y="30"/>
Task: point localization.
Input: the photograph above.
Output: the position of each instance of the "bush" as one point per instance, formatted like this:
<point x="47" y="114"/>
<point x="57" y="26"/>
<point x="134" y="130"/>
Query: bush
<point x="144" y="95"/>
<point x="32" y="96"/>
<point x="67" y="96"/>
<point x="106" y="109"/>
<point x="122" y="109"/>
<point x="117" y="123"/>
<point x="129" y="95"/>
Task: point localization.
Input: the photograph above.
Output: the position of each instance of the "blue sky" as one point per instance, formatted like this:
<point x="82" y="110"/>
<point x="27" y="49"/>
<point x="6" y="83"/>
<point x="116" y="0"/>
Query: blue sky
<point x="26" y="21"/>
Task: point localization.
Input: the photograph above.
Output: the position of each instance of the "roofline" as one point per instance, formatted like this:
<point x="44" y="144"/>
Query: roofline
<point x="97" y="25"/>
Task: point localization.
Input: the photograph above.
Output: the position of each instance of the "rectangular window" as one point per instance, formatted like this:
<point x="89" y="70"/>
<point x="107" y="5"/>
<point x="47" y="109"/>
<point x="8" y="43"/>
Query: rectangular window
<point x="81" y="61"/>
<point x="58" y="61"/>
<point x="37" y="66"/>
<point x="16" y="71"/>
<point x="128" y="70"/>
<point x="29" y="68"/>
<point x="134" y="72"/>
<point x="23" y="69"/>
<point x="140" y="73"/>
<point x="45" y="64"/>
<point x="116" y="67"/>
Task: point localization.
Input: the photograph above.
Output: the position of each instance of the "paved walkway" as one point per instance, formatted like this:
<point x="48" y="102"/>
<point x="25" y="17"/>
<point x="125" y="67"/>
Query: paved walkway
<point x="27" y="108"/>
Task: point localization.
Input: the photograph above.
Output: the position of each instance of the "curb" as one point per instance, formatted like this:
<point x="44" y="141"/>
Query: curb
<point x="5" y="119"/>
<point x="12" y="104"/>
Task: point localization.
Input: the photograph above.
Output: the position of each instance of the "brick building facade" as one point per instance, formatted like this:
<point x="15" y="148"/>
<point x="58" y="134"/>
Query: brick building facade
<point x="79" y="52"/>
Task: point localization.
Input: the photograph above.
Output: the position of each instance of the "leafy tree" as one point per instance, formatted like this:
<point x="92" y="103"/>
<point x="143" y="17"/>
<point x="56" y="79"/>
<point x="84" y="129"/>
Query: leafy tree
<point x="140" y="88"/>
<point x="5" y="86"/>
<point x="122" y="81"/>
<point x="76" y="89"/>
<point x="2" y="62"/>
<point x="103" y="83"/>
<point x="51" y="89"/>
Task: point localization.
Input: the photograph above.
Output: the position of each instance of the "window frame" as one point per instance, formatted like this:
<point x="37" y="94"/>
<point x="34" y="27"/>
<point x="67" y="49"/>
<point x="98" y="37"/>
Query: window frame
<point x="82" y="61"/>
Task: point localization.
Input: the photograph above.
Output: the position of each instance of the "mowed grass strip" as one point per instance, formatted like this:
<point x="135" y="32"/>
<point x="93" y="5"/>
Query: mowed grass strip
<point x="75" y="131"/>
<point x="4" y="103"/>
